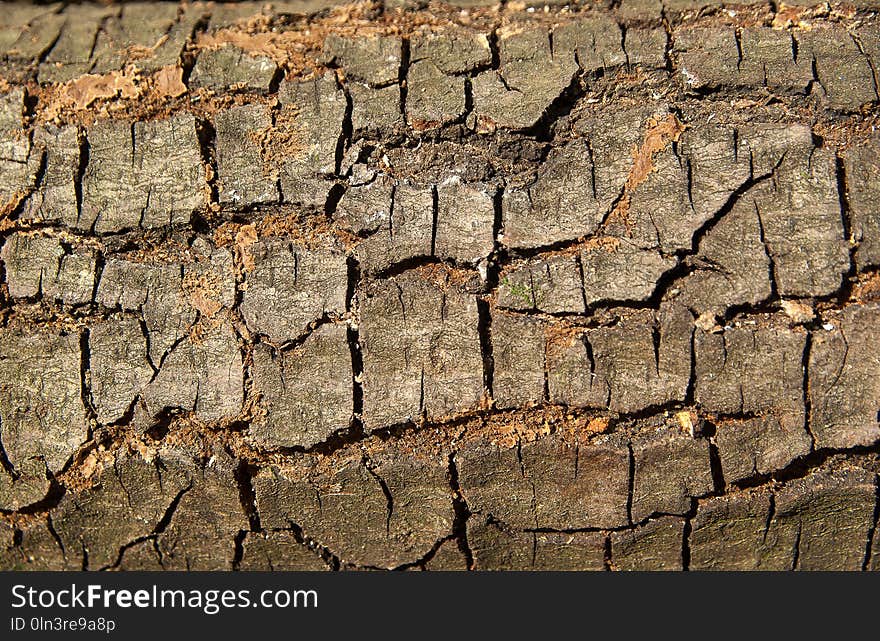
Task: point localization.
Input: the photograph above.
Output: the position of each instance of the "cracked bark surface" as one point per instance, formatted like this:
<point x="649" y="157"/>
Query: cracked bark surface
<point x="467" y="286"/>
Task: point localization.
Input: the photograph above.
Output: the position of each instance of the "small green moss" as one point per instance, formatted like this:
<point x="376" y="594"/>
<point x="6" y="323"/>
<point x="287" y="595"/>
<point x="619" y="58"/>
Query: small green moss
<point x="518" y="290"/>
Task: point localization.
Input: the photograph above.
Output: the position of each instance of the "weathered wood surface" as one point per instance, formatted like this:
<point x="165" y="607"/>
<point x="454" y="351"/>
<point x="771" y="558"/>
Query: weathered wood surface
<point x="321" y="286"/>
